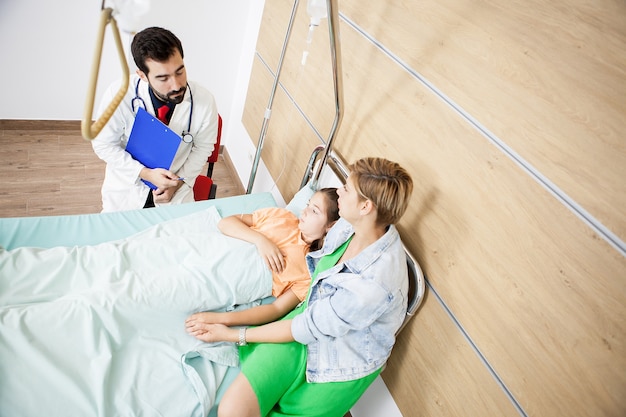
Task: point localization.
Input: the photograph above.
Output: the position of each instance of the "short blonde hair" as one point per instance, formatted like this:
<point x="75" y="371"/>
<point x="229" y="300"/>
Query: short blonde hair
<point x="384" y="183"/>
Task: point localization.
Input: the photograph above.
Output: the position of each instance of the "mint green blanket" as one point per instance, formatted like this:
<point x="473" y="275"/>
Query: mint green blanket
<point x="99" y="330"/>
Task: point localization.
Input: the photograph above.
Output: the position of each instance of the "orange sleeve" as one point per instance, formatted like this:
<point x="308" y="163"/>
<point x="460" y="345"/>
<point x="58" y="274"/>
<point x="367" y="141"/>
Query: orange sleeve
<point x="281" y="227"/>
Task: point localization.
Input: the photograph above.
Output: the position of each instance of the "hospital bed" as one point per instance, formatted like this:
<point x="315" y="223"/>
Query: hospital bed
<point x="93" y="353"/>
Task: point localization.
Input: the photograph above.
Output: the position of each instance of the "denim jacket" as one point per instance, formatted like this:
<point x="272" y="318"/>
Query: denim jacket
<point x="354" y="309"/>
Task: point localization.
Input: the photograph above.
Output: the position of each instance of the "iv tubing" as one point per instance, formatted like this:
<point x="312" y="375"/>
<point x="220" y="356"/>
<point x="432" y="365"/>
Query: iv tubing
<point x="90" y="131"/>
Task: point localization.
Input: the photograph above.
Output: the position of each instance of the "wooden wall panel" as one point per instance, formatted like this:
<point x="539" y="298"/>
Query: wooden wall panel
<point x="453" y="382"/>
<point x="310" y="85"/>
<point x="541" y="296"/>
<point x="289" y="139"/>
<point x="547" y="78"/>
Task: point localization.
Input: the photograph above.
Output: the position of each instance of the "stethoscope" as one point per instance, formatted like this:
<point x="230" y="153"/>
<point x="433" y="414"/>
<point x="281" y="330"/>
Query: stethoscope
<point x="186" y="135"/>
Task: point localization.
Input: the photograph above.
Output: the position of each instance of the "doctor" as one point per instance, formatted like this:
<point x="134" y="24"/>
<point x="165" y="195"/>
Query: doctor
<point x="190" y="111"/>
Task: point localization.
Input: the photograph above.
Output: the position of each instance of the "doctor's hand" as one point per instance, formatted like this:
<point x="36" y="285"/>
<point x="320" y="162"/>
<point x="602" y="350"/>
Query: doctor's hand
<point x="162" y="196"/>
<point x="162" y="178"/>
<point x="165" y="195"/>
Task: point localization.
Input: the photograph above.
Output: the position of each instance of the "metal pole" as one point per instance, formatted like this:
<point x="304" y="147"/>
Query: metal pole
<point x="335" y="51"/>
<point x="268" y="110"/>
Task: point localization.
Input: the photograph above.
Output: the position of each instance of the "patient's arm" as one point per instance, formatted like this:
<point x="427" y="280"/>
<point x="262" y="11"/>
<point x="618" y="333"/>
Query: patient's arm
<point x="274" y="332"/>
<point x="252" y="316"/>
<point x="239" y="226"/>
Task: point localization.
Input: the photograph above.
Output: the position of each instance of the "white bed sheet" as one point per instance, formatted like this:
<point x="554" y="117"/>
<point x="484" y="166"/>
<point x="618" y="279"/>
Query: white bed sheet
<point x="98" y="330"/>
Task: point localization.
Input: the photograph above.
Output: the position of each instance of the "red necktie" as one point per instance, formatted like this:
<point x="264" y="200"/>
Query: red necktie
<point x="162" y="113"/>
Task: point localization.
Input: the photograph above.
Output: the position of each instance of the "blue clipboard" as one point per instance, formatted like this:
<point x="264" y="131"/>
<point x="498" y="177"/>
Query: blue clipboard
<point x="152" y="143"/>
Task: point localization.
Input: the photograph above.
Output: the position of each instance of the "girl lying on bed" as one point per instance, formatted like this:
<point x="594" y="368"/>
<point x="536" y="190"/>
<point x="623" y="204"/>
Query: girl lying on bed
<point x="172" y="263"/>
<point x="279" y="236"/>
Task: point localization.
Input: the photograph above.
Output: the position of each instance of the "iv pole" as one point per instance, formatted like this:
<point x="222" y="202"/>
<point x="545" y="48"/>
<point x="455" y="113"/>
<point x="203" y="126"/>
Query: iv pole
<point x="268" y="110"/>
<point x="333" y="29"/>
<point x="335" y="52"/>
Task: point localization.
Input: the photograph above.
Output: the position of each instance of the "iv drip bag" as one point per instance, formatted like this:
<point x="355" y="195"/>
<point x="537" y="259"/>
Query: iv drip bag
<point x="318" y="10"/>
<point x="129" y="13"/>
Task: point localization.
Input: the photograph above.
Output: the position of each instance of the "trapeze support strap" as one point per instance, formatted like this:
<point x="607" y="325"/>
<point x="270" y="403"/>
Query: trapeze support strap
<point x="89" y="130"/>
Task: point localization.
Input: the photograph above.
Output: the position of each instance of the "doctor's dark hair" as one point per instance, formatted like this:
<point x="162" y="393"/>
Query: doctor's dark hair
<point x="384" y="183"/>
<point x="154" y="43"/>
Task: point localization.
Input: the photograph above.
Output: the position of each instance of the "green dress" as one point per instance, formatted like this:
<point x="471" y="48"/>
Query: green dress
<point x="276" y="372"/>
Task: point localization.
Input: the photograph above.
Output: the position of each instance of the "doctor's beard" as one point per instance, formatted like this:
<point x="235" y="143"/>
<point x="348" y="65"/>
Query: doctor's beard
<point x="173" y="97"/>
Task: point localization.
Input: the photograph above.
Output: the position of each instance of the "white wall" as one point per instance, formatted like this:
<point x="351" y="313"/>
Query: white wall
<point x="48" y="51"/>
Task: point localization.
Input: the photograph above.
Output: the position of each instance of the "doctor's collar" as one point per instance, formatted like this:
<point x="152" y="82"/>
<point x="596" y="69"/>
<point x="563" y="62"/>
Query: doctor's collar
<point x="156" y="103"/>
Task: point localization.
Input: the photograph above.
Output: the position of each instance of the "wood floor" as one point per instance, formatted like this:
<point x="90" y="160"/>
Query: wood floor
<point x="47" y="168"/>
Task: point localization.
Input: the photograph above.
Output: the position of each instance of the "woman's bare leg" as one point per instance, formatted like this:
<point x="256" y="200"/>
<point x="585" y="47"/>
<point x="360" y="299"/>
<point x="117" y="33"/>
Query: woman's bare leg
<point x="239" y="400"/>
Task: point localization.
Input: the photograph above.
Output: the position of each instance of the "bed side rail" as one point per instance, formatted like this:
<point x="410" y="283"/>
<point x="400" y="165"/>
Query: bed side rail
<point x="314" y="168"/>
<point x="417" y="288"/>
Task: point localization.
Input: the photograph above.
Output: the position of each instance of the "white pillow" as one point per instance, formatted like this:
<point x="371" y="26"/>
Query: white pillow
<point x="300" y="199"/>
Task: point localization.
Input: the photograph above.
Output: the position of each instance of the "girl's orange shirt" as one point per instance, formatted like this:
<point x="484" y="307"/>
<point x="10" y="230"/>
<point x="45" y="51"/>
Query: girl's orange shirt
<point x="281" y="227"/>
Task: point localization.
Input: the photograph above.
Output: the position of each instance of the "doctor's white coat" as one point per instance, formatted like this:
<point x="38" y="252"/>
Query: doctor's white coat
<point x="122" y="188"/>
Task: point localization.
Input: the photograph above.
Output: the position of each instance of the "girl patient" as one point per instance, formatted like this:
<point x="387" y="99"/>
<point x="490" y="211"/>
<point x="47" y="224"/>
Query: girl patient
<point x="282" y="240"/>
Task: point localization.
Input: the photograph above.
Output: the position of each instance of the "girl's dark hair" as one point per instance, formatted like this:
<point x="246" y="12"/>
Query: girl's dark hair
<point x="154" y="43"/>
<point x="332" y="212"/>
